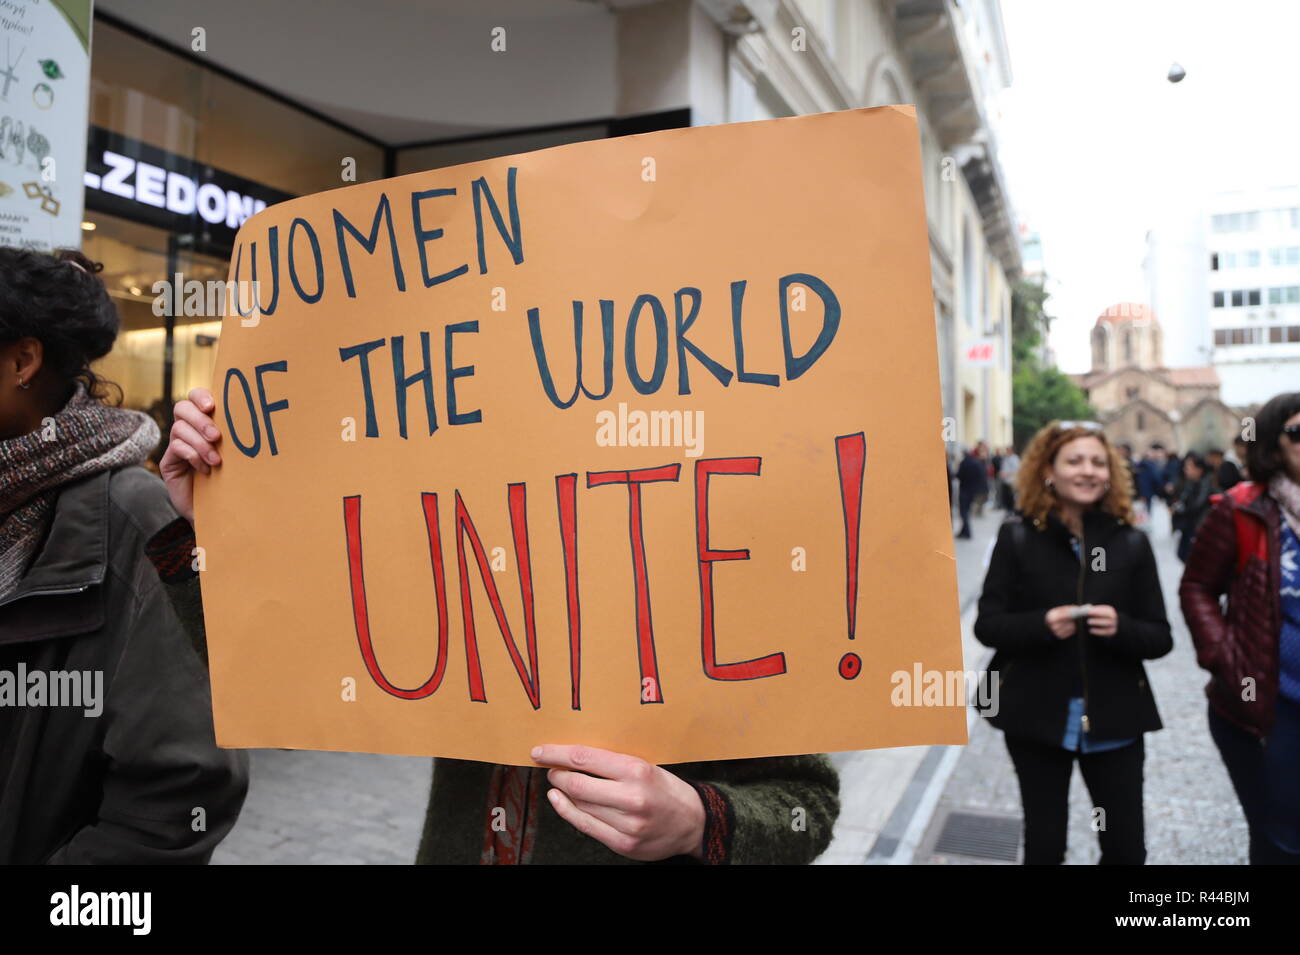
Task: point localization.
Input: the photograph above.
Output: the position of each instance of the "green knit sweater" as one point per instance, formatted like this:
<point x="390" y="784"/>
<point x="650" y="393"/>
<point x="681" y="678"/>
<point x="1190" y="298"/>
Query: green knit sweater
<point x="772" y="810"/>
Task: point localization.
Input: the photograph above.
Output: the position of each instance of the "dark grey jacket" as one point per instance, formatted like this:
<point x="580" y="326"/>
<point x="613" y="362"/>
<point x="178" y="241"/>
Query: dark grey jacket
<point x="142" y="782"/>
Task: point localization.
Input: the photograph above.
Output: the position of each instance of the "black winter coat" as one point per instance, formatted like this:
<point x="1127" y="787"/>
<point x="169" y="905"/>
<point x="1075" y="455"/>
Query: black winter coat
<point x="1034" y="569"/>
<point x="143" y="781"/>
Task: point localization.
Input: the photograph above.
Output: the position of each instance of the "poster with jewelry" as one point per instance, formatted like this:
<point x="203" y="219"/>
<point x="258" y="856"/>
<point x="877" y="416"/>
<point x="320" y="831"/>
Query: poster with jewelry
<point x="635" y="443"/>
<point x="44" y="103"/>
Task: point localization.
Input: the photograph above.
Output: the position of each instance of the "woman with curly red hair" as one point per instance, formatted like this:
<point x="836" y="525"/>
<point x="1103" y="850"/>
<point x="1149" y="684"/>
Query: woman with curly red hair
<point x="1072" y="606"/>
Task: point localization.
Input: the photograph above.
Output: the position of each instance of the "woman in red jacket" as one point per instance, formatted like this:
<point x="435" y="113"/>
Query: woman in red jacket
<point x="1248" y="548"/>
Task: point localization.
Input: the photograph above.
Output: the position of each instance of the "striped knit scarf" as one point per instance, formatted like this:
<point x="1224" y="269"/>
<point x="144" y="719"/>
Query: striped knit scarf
<point x="85" y="438"/>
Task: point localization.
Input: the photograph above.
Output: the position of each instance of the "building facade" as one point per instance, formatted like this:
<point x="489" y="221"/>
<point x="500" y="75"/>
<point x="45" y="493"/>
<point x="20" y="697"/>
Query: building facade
<point x="1254" y="286"/>
<point x="201" y="114"/>
<point x="1140" y="401"/>
<point x="1228" y="270"/>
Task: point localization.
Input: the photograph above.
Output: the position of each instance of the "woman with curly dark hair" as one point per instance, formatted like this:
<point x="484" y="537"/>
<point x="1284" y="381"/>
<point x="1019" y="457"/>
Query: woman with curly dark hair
<point x="1248" y="549"/>
<point x="107" y="752"/>
<point x="1072" y="605"/>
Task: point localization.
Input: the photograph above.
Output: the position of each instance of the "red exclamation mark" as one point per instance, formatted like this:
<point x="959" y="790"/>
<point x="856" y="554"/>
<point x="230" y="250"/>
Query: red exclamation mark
<point x="851" y="453"/>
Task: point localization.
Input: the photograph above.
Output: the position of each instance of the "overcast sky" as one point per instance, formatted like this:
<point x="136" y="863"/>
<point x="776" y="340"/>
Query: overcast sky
<point x="1095" y="141"/>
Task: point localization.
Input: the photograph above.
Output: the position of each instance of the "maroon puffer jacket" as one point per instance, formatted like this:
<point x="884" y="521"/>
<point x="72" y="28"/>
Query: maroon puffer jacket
<point x="1243" y="644"/>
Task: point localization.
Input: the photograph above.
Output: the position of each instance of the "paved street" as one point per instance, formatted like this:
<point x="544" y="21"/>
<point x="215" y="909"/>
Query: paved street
<point x="309" y="807"/>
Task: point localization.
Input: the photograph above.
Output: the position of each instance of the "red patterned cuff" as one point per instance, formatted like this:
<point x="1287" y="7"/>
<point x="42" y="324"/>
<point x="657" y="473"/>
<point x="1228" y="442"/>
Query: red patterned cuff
<point x="719" y="824"/>
<point x="172" y="552"/>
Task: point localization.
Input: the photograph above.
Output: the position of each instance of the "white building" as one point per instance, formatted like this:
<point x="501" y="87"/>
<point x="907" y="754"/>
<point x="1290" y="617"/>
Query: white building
<point x="1229" y="274"/>
<point x="1254" y="282"/>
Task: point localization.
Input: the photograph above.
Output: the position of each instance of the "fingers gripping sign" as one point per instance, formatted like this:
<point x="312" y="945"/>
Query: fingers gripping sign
<point x="637" y="809"/>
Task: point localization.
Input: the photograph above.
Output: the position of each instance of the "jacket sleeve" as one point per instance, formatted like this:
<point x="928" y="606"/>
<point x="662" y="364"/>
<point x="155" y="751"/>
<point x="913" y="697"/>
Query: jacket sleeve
<point x="1143" y="629"/>
<point x="1207" y="576"/>
<point x="771" y="811"/>
<point x="170" y="795"/>
<point x="170" y="551"/>
<point x="998" y="625"/>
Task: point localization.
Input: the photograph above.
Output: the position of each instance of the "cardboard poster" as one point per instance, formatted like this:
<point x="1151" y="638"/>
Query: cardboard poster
<point x="633" y="443"/>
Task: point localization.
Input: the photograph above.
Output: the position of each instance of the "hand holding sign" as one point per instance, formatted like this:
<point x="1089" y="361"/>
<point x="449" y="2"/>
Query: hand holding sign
<point x="639" y="810"/>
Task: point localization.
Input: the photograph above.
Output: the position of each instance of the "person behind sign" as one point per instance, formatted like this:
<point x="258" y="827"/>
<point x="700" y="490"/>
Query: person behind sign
<point x="1248" y="549"/>
<point x="579" y="804"/>
<point x="107" y="752"/>
<point x="1072" y="605"/>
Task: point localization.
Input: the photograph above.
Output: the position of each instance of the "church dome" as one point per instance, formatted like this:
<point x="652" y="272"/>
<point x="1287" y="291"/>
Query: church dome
<point x="1127" y="312"/>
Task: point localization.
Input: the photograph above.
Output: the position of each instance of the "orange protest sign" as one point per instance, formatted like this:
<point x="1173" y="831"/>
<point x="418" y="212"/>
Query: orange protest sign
<point x="633" y="443"/>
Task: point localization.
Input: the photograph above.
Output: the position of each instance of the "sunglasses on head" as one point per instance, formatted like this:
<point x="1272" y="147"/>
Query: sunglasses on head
<point x="1086" y="425"/>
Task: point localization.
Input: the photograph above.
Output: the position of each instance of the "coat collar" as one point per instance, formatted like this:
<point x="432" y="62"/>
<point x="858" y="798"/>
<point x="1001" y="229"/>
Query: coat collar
<point x="1095" y="522"/>
<point x="71" y="564"/>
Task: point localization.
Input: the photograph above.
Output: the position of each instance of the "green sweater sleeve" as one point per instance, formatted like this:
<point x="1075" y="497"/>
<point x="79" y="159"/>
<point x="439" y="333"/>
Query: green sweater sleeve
<point x="776" y="810"/>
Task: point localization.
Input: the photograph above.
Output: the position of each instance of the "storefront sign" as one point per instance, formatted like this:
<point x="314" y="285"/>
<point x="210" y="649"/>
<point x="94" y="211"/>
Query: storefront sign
<point x="633" y="443"/>
<point x="44" y="84"/>
<point x="139" y="181"/>
<point x="980" y="352"/>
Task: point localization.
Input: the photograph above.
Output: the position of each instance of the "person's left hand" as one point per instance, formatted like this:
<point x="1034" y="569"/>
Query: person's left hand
<point x="1103" y="620"/>
<point x="637" y="809"/>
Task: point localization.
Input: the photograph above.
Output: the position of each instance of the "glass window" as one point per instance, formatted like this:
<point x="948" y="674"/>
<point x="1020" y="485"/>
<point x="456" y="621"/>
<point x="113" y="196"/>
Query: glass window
<point x="1293" y="255"/>
<point x="1275" y="256"/>
<point x="1229" y="260"/>
<point x="1275" y="296"/>
<point x="1252" y="259"/>
<point x="1252" y="296"/>
<point x="1276" y="335"/>
<point x="1214" y="261"/>
<point x="1239" y="297"/>
<point x="1293" y="333"/>
<point x="1292" y="294"/>
<point x="1218" y="299"/>
<point x="150" y="94"/>
<point x="1220" y="336"/>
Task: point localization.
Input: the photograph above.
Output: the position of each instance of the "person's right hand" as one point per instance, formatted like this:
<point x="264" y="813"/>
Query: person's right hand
<point x="191" y="448"/>
<point x="1060" y="620"/>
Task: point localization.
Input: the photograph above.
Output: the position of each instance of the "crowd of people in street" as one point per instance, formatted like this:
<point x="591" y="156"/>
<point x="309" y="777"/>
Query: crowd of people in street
<point x="1072" y="607"/>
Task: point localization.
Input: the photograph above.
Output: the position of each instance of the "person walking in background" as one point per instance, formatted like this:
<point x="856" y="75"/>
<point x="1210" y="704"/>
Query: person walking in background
<point x="1241" y="449"/>
<point x="995" y="478"/>
<point x="1248" y="550"/>
<point x="1171" y="480"/>
<point x="1008" y="474"/>
<point x="1150" y="476"/>
<point x="972" y="481"/>
<point x="1193" y="502"/>
<point x="1072" y="606"/>
<point x="118" y="780"/>
<point x="1223" y="473"/>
